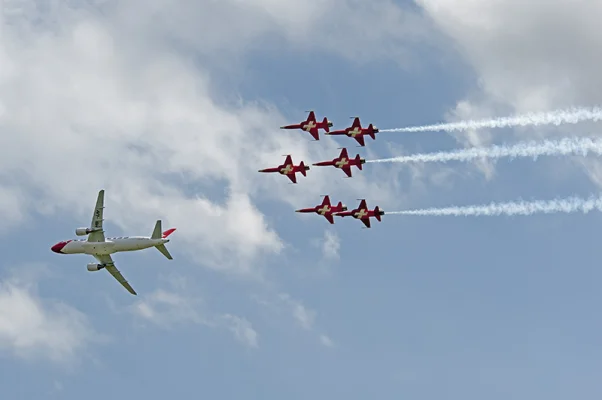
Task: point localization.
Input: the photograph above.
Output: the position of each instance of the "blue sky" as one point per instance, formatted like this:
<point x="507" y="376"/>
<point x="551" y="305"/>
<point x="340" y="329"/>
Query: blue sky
<point x="173" y="108"/>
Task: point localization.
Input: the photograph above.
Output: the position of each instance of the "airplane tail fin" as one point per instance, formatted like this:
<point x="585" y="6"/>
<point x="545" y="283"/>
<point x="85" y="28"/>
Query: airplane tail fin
<point x="359" y="161"/>
<point x="157" y="231"/>
<point x="371" y="131"/>
<point x="326" y="124"/>
<point x="158" y="234"/>
<point x="377" y="213"/>
<point x="303" y="168"/>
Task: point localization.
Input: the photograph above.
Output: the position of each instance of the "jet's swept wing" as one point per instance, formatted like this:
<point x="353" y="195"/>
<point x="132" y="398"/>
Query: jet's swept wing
<point x="347" y="170"/>
<point x="292" y="177"/>
<point x="108" y="263"/>
<point x="360" y="139"/>
<point x="98" y="233"/>
<point x="314" y="133"/>
<point x="366" y="222"/>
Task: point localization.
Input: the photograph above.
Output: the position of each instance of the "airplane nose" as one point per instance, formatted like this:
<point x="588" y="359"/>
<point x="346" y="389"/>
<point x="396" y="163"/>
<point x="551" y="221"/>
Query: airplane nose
<point x="58" y="247"/>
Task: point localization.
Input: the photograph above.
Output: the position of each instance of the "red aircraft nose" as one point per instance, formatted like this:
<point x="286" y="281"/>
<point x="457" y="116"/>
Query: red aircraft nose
<point x="58" y="247"/>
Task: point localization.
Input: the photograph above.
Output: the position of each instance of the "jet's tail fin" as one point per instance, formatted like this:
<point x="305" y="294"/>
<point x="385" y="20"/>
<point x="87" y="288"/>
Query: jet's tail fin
<point x="326" y="124"/>
<point x="377" y="213"/>
<point x="359" y="161"/>
<point x="371" y="131"/>
<point x="303" y="168"/>
<point x="164" y="251"/>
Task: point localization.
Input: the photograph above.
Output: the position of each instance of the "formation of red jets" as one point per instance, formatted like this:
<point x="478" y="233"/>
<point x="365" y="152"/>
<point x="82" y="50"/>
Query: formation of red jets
<point x="343" y="162"/>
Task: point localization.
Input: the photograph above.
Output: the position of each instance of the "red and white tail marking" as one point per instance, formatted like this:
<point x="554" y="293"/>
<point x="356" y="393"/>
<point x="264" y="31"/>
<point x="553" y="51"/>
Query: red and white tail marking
<point x="168" y="232"/>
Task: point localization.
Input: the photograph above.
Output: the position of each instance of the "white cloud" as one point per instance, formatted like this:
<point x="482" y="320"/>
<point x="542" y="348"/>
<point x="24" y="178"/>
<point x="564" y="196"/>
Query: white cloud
<point x="331" y="245"/>
<point x="169" y="309"/>
<point x="527" y="56"/>
<point x="326" y="341"/>
<point x="380" y="28"/>
<point x="242" y="329"/>
<point x="166" y="309"/>
<point x="304" y="316"/>
<point x="40" y="328"/>
<point x="95" y="94"/>
<point x="92" y="101"/>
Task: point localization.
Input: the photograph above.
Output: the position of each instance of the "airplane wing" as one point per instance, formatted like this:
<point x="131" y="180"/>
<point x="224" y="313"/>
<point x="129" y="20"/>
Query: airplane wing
<point x="326" y="200"/>
<point x="366" y="222"/>
<point x="363" y="205"/>
<point x="292" y="177"/>
<point x="311" y="117"/>
<point x="344" y="154"/>
<point x="107" y="261"/>
<point x="314" y="133"/>
<point x="356" y="123"/>
<point x="97" y="218"/>
<point x="329" y="218"/>
<point x="360" y="140"/>
<point x="347" y="170"/>
<point x="288" y="161"/>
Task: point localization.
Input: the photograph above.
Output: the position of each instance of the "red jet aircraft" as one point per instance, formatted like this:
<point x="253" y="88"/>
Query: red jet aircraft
<point x="311" y="125"/>
<point x="357" y="132"/>
<point x="325" y="209"/>
<point x="343" y="162"/>
<point x="289" y="169"/>
<point x="363" y="214"/>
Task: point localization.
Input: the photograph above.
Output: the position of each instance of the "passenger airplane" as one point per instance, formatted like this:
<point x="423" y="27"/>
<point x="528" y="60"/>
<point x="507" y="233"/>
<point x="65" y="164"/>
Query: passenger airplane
<point x="102" y="248"/>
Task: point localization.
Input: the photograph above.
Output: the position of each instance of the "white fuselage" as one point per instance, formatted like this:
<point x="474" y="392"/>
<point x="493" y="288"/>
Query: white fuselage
<point x="109" y="246"/>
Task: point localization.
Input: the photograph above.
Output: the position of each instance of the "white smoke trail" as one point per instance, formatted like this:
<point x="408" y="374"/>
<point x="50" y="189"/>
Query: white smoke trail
<point x="566" y="146"/>
<point x="558" y="117"/>
<point x="567" y="205"/>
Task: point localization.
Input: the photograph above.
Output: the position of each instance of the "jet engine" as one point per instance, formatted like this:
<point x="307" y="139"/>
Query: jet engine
<point x="83" y="231"/>
<point x="95" y="267"/>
